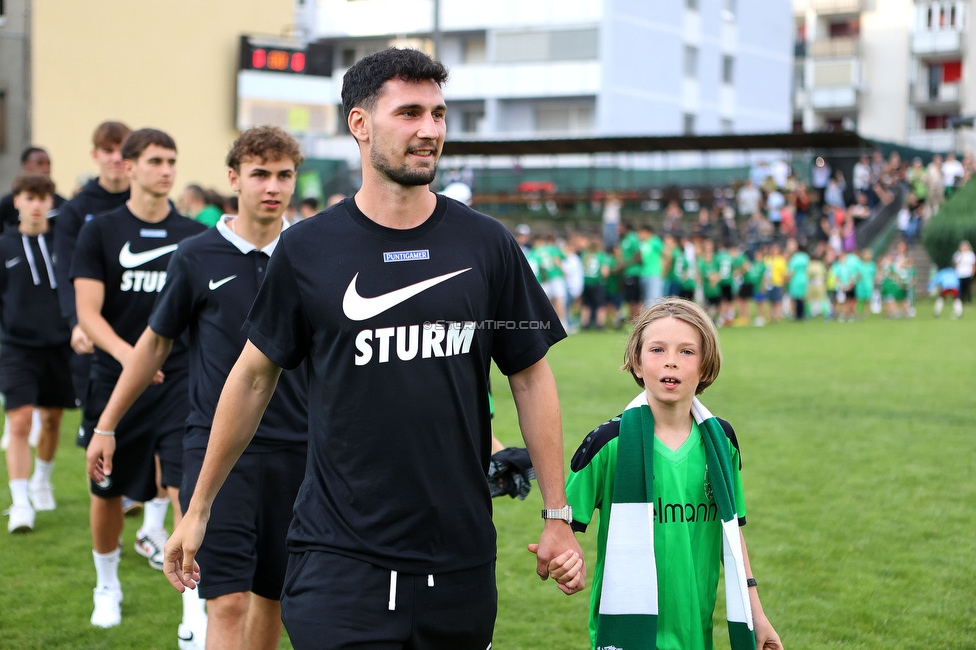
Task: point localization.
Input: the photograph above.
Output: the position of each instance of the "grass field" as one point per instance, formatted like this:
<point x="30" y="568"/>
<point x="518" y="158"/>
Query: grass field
<point x="860" y="475"/>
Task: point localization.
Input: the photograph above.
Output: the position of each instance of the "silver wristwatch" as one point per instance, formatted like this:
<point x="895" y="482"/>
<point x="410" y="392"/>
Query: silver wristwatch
<point x="565" y="513"/>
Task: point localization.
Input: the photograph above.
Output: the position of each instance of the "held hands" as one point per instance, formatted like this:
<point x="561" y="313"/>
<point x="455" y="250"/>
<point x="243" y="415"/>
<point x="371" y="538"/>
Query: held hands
<point x="568" y="568"/>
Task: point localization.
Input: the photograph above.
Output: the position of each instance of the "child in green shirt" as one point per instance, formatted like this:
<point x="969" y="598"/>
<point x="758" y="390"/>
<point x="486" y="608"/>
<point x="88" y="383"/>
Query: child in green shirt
<point x="665" y="466"/>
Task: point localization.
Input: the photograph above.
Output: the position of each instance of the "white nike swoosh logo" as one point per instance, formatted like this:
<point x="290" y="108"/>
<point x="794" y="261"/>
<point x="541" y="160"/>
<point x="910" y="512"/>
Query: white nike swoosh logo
<point x="358" y="308"/>
<point x="12" y="263"/>
<point x="220" y="283"/>
<point x="130" y="260"/>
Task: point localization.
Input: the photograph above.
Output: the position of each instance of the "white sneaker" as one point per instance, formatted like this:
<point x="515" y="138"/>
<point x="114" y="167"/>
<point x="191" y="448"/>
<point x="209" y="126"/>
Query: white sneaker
<point x="108" y="607"/>
<point x="131" y="507"/>
<point x="192" y="636"/>
<point x="42" y="496"/>
<point x="150" y="544"/>
<point x="21" y="519"/>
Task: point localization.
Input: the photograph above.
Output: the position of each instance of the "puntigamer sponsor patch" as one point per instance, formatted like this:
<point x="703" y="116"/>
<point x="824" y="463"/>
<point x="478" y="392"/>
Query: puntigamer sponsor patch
<point x="406" y="256"/>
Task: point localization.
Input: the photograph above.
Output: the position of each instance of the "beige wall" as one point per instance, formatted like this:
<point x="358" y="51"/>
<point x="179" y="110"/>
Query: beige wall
<point x="167" y="64"/>
<point x="885" y="47"/>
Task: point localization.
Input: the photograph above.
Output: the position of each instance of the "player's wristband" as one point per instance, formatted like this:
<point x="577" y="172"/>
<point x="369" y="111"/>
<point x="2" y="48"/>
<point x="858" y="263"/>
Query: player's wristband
<point x="110" y="434"/>
<point x="751" y="582"/>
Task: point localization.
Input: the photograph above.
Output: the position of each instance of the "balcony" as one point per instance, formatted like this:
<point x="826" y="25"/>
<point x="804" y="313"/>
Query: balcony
<point x="833" y="98"/>
<point x="943" y="140"/>
<point x="835" y="47"/>
<point x="829" y="7"/>
<point x="941" y="94"/>
<point x="936" y="42"/>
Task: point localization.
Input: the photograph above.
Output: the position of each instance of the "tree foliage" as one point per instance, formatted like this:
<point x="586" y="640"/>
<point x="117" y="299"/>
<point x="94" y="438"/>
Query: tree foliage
<point x="955" y="221"/>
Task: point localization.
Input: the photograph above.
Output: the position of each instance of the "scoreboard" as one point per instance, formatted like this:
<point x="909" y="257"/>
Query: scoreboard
<point x="286" y="84"/>
<point x="277" y="56"/>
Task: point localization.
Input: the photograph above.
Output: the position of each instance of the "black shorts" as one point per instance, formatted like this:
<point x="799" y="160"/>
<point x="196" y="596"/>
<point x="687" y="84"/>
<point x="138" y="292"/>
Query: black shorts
<point x="726" y="292"/>
<point x="331" y="602"/>
<point x="713" y="301"/>
<point x="154" y="426"/>
<point x="80" y="372"/>
<point x="594" y="296"/>
<point x="36" y="376"/>
<point x="632" y="288"/>
<point x="747" y="291"/>
<point x="244" y="549"/>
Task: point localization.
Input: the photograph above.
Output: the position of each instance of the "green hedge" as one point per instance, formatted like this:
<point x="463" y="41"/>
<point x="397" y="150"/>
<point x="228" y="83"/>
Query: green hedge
<point x="955" y="221"/>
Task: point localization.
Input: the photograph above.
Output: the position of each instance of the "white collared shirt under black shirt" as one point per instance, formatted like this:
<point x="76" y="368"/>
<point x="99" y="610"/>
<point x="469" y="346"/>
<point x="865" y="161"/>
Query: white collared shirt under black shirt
<point x="129" y="256"/>
<point x="211" y="283"/>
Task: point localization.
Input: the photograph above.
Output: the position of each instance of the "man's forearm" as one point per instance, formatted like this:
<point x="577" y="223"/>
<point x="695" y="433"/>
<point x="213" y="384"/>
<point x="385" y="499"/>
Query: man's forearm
<point x="147" y="357"/>
<point x="537" y="402"/>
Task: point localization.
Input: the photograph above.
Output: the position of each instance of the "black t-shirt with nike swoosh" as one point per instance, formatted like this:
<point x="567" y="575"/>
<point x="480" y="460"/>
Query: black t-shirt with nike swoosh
<point x="129" y="256"/>
<point x="210" y="286"/>
<point x="400" y="328"/>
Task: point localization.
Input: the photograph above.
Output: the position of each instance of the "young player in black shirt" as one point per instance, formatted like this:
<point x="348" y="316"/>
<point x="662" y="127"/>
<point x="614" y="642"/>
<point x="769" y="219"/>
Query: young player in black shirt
<point x="34" y="349"/>
<point x="119" y="268"/>
<point x="211" y="283"/>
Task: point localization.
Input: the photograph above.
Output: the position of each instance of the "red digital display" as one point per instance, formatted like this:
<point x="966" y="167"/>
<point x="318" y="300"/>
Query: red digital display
<point x="311" y="60"/>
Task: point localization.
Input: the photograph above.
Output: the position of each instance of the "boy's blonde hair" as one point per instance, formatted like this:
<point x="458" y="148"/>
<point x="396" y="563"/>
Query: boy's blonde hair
<point x="687" y="312"/>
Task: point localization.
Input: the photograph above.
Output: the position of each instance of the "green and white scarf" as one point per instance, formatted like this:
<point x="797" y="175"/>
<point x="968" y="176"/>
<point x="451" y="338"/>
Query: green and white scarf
<point x="627" y="618"/>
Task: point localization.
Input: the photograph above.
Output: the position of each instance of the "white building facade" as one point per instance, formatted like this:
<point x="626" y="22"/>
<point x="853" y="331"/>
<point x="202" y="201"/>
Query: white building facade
<point x="577" y="68"/>
<point x="893" y="70"/>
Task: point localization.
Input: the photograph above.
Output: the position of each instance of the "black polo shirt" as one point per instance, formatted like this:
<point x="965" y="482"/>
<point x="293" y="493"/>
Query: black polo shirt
<point x="210" y="285"/>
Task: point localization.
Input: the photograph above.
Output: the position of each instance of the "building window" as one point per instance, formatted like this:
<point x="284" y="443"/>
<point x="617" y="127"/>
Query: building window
<point x="472" y="121"/>
<point x="728" y="68"/>
<point x="563" y="119"/>
<point x="691" y="61"/>
<point x="692" y="5"/>
<point x="474" y="50"/>
<point x="688" y="128"/>
<point x="728" y="10"/>
<point x="726" y="126"/>
<point x="559" y="45"/>
<point x="937" y="122"/>
<point x="3" y="13"/>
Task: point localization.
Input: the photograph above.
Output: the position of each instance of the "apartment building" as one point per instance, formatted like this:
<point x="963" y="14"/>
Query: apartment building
<point x="893" y="70"/>
<point x="577" y="68"/>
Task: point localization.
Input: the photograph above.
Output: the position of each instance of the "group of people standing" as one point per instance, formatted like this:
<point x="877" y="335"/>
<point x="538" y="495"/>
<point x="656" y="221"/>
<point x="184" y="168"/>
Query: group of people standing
<point x="362" y="517"/>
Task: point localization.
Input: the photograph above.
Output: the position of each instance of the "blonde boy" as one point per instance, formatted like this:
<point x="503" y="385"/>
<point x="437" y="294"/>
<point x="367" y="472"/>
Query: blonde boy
<point x="666" y="465"/>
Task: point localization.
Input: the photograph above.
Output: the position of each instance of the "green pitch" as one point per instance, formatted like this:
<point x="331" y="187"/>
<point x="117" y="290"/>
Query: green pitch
<point x="858" y="451"/>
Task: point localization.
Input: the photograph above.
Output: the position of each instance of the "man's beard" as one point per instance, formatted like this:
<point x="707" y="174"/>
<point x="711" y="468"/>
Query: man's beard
<point x="402" y="175"/>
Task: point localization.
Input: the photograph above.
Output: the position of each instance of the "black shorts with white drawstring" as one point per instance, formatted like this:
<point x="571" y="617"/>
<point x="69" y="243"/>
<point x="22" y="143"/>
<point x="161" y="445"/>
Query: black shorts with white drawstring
<point x="331" y="602"/>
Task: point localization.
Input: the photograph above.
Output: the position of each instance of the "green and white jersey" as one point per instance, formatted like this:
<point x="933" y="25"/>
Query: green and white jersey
<point x="687" y="529"/>
<point x="798" y="274"/>
<point x="630" y="248"/>
<point x="651" y="252"/>
<point x="755" y="274"/>
<point x="594" y="265"/>
<point x="724" y="261"/>
<point x="710" y="274"/>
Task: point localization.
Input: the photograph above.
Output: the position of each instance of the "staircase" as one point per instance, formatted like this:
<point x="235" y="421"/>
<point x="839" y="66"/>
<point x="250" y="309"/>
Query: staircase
<point x="923" y="269"/>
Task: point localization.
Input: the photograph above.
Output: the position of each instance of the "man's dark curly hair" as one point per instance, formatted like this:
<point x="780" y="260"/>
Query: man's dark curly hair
<point x="362" y="82"/>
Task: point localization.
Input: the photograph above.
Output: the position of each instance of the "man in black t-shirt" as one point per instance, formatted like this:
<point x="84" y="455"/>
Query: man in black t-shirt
<point x="398" y="299"/>
<point x="108" y="191"/>
<point x="33" y="160"/>
<point x="211" y="283"/>
<point x="118" y="269"/>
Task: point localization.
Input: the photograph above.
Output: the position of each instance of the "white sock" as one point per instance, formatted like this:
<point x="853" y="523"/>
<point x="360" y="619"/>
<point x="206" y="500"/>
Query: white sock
<point x="957" y="307"/>
<point x="19" y="492"/>
<point x="42" y="472"/>
<point x="193" y="607"/>
<point x="155" y="513"/>
<point x="939" y="302"/>
<point x="107" y="569"/>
